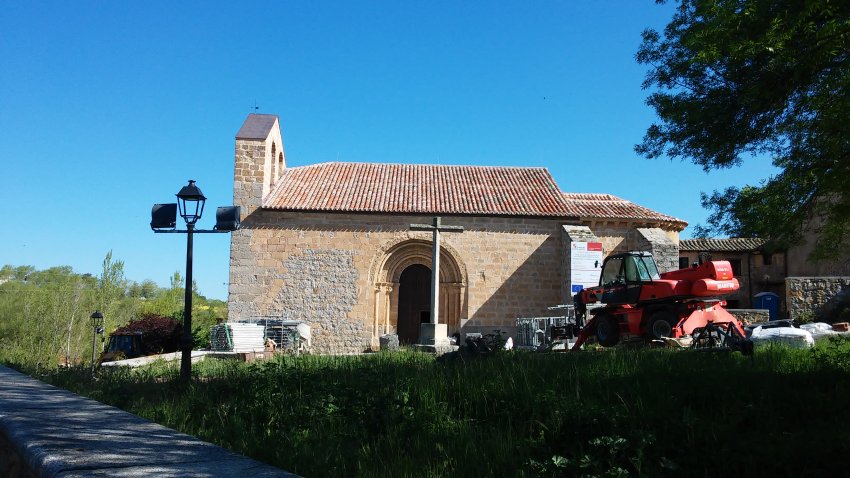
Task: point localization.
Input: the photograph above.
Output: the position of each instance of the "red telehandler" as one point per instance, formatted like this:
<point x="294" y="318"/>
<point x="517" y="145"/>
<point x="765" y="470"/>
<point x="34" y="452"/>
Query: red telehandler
<point x="636" y="300"/>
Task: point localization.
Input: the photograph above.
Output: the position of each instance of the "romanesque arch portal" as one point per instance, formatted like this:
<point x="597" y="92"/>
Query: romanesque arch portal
<point x="388" y="282"/>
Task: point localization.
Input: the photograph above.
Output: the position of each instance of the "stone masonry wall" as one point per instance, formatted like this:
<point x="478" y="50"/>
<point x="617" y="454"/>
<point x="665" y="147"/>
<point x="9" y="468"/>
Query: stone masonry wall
<point x="320" y="286"/>
<point x="249" y="175"/>
<point x="11" y="461"/>
<point x="617" y="236"/>
<point x="750" y="316"/>
<point x="663" y="249"/>
<point x="818" y="295"/>
<point x="613" y="235"/>
<point x="316" y="267"/>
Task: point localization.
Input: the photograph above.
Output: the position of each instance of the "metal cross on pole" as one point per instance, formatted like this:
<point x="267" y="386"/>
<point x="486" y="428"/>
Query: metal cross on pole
<point x="435" y="227"/>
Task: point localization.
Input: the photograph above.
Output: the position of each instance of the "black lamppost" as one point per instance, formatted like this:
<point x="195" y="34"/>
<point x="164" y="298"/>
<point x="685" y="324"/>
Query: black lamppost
<point x="97" y="328"/>
<point x="190" y="201"/>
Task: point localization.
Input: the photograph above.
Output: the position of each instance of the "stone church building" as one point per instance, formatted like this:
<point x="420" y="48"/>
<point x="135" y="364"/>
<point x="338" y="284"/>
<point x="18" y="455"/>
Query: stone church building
<point x="330" y="244"/>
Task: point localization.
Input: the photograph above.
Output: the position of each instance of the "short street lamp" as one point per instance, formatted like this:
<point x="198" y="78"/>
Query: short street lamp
<point x="97" y="328"/>
<point x="190" y="201"/>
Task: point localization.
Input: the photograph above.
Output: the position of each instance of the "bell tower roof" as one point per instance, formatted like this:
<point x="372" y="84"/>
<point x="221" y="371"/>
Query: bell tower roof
<point x="257" y="126"/>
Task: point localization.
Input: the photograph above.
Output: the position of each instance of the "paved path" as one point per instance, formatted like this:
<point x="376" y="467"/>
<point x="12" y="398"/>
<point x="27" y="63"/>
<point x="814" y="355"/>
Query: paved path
<point x="47" y="431"/>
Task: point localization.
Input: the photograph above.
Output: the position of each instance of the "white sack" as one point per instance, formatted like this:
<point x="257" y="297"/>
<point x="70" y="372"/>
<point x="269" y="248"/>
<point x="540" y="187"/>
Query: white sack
<point x="796" y="338"/>
<point x="819" y="330"/>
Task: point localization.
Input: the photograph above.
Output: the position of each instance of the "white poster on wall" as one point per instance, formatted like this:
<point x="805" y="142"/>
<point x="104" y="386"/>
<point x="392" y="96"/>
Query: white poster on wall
<point x="585" y="265"/>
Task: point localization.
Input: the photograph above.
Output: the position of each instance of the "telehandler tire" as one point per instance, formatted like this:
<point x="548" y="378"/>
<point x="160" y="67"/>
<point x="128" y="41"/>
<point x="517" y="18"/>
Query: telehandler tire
<point x="660" y="325"/>
<point x="607" y="330"/>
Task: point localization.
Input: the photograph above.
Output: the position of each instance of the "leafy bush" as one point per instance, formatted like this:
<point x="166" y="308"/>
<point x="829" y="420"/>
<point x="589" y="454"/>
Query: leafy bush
<point x="161" y="334"/>
<point x="805" y="317"/>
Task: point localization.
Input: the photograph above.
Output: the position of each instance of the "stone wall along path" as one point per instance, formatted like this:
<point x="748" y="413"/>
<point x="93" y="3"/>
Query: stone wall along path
<point x="49" y="432"/>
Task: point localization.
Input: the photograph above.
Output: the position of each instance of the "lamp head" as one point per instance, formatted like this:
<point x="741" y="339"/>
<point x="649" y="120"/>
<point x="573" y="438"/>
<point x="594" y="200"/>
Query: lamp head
<point x="97" y="319"/>
<point x="191" y="200"/>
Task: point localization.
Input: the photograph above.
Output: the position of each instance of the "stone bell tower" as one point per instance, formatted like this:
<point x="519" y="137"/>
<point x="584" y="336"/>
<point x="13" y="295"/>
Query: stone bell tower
<point x="260" y="161"/>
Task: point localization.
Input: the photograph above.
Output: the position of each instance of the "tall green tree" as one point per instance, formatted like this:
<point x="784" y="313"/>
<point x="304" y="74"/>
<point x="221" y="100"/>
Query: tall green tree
<point x="117" y="306"/>
<point x="736" y="79"/>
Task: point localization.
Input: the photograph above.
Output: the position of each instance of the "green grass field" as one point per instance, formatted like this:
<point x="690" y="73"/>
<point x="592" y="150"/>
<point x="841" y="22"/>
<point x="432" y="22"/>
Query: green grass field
<point x="620" y="412"/>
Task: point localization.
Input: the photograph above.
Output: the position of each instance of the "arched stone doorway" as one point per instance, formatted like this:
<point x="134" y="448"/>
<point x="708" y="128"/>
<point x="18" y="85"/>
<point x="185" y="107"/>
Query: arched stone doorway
<point x="387" y="273"/>
<point x="414" y="302"/>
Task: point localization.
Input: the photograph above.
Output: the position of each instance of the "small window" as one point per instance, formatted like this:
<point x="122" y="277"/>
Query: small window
<point x="273" y="172"/>
<point x="683" y="263"/>
<point x="736" y="266"/>
<point x="767" y="259"/>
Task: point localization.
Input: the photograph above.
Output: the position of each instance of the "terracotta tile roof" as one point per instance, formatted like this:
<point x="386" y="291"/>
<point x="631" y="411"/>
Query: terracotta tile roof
<point x="256" y="126"/>
<point x="605" y="206"/>
<point x="419" y="189"/>
<point x="735" y="244"/>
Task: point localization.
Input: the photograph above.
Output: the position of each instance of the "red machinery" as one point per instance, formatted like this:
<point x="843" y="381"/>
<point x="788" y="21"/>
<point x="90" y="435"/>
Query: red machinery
<point x="637" y="300"/>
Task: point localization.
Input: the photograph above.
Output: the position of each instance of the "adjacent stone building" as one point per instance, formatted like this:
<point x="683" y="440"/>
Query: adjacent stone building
<point x="758" y="268"/>
<point x="330" y="244"/>
<point x="805" y="289"/>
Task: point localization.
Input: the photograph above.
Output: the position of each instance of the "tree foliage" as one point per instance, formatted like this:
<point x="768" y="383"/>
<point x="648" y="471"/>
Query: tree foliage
<point x="45" y="313"/>
<point x="741" y="78"/>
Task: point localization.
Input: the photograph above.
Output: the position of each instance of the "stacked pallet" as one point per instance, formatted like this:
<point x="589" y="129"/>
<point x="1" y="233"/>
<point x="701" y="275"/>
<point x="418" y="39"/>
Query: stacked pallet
<point x="237" y="337"/>
<point x="291" y="334"/>
<point x="288" y="335"/>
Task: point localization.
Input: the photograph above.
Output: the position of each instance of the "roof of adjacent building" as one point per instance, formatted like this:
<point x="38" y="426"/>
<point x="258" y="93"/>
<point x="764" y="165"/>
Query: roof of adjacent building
<point x="734" y="244"/>
<point x="256" y="126"/>
<point x="607" y="206"/>
<point x="419" y="189"/>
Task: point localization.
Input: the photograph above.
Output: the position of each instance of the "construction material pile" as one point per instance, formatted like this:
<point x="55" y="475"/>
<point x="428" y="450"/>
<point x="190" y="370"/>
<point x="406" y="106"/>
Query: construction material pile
<point x="784" y="332"/>
<point x="237" y="337"/>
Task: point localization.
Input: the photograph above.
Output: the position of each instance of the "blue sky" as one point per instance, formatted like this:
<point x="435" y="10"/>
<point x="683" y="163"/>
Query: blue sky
<point x="109" y="107"/>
